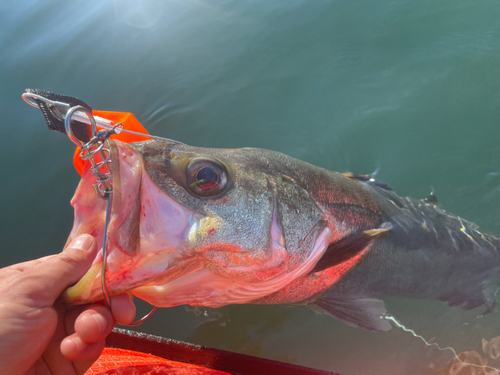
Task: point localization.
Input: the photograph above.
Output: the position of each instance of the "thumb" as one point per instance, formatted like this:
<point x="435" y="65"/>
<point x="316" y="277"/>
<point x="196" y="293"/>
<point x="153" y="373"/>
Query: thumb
<point x="62" y="270"/>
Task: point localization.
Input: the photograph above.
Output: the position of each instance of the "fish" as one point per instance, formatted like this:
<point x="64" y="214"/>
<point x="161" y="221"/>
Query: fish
<point x="212" y="227"/>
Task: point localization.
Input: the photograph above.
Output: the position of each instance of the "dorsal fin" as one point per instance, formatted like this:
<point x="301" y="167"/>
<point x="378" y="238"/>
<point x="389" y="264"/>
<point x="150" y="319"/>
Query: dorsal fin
<point x="359" y="177"/>
<point x="366" y="178"/>
<point x="349" y="246"/>
<point x="431" y="198"/>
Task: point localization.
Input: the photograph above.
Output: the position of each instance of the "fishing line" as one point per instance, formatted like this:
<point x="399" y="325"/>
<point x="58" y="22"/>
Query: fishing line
<point x="446" y="348"/>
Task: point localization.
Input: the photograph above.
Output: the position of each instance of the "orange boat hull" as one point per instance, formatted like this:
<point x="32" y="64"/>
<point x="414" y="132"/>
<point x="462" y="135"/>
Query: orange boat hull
<point x="127" y="362"/>
<point x="134" y="353"/>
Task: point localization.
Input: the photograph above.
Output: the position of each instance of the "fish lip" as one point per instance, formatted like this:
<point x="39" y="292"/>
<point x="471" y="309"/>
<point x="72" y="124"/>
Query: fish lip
<point x="202" y="287"/>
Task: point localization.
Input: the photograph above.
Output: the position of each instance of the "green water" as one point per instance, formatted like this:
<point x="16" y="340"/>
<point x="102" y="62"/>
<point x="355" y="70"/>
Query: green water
<point x="407" y="89"/>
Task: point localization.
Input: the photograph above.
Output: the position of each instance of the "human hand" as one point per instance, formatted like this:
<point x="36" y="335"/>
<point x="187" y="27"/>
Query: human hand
<point x="42" y="336"/>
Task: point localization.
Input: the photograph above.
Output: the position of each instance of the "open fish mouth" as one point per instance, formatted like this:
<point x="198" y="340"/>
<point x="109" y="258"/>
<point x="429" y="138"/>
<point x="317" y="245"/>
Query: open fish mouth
<point x="146" y="235"/>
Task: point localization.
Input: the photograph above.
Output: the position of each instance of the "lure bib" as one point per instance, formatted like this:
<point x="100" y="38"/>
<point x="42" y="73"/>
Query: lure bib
<point x="129" y="123"/>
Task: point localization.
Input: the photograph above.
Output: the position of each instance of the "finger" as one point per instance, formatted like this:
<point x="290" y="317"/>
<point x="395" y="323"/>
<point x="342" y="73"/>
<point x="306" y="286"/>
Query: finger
<point x="72" y="313"/>
<point x="123" y="308"/>
<point x="75" y="349"/>
<point x="52" y="355"/>
<point x="59" y="271"/>
<point x="94" y="324"/>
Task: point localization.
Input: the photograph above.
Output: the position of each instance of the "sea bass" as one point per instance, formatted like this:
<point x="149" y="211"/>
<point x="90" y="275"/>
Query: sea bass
<point x="212" y="227"/>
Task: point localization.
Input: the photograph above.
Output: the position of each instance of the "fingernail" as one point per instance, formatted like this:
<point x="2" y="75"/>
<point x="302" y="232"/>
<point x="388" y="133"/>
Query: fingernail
<point x="72" y="345"/>
<point x="100" y="321"/>
<point x="83" y="242"/>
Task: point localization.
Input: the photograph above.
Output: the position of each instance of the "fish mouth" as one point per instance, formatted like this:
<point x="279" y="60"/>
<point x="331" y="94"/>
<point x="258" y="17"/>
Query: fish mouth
<point x="147" y="230"/>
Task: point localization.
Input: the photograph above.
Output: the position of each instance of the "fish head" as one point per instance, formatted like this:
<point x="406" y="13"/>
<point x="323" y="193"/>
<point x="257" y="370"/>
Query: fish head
<point x="199" y="226"/>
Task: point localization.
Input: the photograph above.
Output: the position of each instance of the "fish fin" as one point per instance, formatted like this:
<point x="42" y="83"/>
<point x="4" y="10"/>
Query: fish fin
<point x="366" y="178"/>
<point x="359" y="177"/>
<point x="349" y="246"/>
<point x="490" y="299"/>
<point x="367" y="313"/>
<point x="431" y="199"/>
<point x="472" y="297"/>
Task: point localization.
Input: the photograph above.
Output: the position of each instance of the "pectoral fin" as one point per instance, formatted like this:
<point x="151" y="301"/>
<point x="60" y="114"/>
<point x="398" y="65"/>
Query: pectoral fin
<point x="367" y="313"/>
<point x="348" y="247"/>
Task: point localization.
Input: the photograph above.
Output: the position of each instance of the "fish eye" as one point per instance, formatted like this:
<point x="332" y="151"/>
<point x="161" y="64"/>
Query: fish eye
<point x="206" y="177"/>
